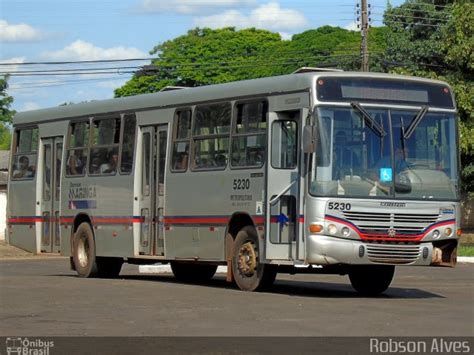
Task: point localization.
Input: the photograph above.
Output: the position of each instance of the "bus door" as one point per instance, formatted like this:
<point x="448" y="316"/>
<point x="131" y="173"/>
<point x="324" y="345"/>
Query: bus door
<point x="154" y="145"/>
<point x="281" y="217"/>
<point x="51" y="162"/>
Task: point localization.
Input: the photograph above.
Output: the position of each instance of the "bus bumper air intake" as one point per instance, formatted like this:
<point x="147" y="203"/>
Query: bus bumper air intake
<point x="327" y="250"/>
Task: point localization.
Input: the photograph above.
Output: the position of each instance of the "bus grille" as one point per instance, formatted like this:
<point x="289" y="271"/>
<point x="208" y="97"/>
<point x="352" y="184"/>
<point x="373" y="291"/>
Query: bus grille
<point x="405" y="225"/>
<point x="393" y="254"/>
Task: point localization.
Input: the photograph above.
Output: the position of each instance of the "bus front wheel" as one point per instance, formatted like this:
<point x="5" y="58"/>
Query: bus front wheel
<point x="371" y="280"/>
<point x="249" y="274"/>
<point x="84" y="251"/>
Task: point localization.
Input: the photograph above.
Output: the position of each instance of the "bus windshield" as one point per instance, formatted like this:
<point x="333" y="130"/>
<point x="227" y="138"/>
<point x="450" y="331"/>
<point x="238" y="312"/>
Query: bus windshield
<point x="367" y="152"/>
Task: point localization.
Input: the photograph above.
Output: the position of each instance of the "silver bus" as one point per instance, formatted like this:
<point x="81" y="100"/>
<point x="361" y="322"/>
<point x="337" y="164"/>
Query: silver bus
<point x="315" y="172"/>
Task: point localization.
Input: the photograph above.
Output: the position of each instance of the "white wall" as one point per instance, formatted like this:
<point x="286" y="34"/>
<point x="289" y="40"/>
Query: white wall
<point x="3" y="214"/>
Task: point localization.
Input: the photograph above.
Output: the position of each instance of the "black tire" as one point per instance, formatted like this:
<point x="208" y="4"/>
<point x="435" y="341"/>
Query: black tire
<point x="109" y="267"/>
<point x="83" y="246"/>
<point x="249" y="274"/>
<point x="193" y="272"/>
<point x="371" y="280"/>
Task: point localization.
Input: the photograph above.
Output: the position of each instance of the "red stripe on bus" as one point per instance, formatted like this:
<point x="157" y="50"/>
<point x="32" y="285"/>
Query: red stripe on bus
<point x="14" y="220"/>
<point x="196" y="220"/>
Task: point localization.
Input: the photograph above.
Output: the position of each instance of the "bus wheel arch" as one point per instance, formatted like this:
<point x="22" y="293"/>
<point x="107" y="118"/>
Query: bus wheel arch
<point x="237" y="221"/>
<point x="83" y="249"/>
<point x="84" y="259"/>
<point x="248" y="272"/>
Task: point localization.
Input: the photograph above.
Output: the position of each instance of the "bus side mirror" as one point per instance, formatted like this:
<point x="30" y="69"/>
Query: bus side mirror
<point x="309" y="139"/>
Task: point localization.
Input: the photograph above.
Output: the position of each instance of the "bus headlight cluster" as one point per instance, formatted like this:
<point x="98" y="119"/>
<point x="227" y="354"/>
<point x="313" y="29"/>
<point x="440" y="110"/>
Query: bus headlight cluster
<point x="332" y="229"/>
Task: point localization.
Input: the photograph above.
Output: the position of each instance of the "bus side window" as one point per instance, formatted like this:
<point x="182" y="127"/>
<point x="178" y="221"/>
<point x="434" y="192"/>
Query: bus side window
<point x="25" y="154"/>
<point x="105" y="144"/>
<point x="182" y="132"/>
<point x="78" y="148"/>
<point x="211" y="136"/>
<point x="128" y="144"/>
<point x="248" y="137"/>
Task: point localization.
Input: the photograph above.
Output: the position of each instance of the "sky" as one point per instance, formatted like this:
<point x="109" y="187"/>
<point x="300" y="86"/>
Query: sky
<point x="80" y="30"/>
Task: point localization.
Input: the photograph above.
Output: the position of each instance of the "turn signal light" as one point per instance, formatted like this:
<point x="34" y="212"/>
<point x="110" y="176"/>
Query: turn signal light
<point x="459" y="232"/>
<point x="315" y="228"/>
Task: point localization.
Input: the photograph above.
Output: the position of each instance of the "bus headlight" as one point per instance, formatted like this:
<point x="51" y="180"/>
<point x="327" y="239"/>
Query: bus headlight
<point x="332" y="229"/>
<point x="436" y="234"/>
<point x="448" y="231"/>
<point x="346" y="231"/>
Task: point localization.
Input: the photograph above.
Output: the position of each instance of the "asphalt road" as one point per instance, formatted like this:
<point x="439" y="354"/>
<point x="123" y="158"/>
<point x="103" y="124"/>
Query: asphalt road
<point x="43" y="298"/>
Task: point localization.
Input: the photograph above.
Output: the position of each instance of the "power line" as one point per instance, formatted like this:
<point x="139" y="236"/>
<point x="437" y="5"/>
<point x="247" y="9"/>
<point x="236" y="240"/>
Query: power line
<point x="275" y="64"/>
<point x="165" y="65"/>
<point x="79" y="61"/>
<point x="132" y="59"/>
<point x="67" y="70"/>
<point x="411" y="23"/>
<point x="417" y="17"/>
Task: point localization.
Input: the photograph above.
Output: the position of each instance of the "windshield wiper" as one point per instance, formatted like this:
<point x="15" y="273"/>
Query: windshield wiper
<point x="419" y="116"/>
<point x="373" y="124"/>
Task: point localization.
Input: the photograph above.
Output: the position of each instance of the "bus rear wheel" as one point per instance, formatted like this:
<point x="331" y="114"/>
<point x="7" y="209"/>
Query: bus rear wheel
<point x="83" y="245"/>
<point x="371" y="280"/>
<point x="249" y="274"/>
<point x="193" y="272"/>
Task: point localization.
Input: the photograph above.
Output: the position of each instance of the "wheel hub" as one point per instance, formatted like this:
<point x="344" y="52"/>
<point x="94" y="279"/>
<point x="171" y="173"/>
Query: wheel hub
<point x="247" y="259"/>
<point x="83" y="251"/>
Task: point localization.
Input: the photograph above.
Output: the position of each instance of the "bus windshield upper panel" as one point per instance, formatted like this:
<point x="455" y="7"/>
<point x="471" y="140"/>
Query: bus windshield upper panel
<point x="359" y="157"/>
<point x="385" y="91"/>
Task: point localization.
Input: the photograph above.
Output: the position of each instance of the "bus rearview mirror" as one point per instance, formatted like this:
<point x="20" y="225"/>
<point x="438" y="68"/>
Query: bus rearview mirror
<point x="309" y="139"/>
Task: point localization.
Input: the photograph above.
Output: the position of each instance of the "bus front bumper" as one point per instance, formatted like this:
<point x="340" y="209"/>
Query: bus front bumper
<point x="326" y="250"/>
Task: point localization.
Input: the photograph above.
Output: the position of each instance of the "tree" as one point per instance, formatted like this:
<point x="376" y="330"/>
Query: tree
<point x="6" y="114"/>
<point x="435" y="39"/>
<point x="205" y="56"/>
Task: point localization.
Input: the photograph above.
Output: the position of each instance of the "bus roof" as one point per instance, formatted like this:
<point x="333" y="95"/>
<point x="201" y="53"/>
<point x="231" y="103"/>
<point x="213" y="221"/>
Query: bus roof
<point x="245" y="88"/>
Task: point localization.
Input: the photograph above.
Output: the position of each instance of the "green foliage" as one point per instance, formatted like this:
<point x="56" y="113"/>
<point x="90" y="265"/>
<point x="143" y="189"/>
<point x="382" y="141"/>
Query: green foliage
<point x="5" y="137"/>
<point x="6" y="114"/>
<point x="465" y="250"/>
<point x="205" y="56"/>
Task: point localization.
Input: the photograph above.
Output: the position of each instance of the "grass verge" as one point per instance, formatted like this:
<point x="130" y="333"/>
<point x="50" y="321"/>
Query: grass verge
<point x="465" y="250"/>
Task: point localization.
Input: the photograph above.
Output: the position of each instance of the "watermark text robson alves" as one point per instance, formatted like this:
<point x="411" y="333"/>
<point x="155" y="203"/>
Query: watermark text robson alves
<point x="414" y="346"/>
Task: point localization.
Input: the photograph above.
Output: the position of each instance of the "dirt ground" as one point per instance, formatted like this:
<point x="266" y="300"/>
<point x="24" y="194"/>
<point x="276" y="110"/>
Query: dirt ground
<point x="8" y="251"/>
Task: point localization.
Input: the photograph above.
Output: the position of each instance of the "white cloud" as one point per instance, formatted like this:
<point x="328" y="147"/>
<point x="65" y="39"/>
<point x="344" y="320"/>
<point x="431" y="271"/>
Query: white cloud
<point x="190" y="6"/>
<point x="11" y="67"/>
<point x="286" y="36"/>
<point x="82" y="50"/>
<point x="21" y="32"/>
<point x="29" y="106"/>
<point x="351" y="26"/>
<point x="269" y="16"/>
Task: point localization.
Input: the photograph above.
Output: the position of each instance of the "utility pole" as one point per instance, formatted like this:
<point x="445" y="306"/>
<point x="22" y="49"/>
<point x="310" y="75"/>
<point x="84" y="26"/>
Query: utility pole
<point x="364" y="46"/>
